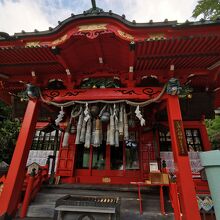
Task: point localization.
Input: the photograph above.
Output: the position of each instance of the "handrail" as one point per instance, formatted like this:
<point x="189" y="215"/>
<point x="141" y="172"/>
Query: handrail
<point x="34" y="182"/>
<point x="173" y="192"/>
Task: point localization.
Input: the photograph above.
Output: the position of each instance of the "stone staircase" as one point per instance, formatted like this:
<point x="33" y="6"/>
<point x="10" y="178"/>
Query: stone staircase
<point x="43" y="205"/>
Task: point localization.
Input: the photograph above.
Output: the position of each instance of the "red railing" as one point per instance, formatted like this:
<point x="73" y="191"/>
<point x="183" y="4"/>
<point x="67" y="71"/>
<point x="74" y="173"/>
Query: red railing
<point x="174" y="198"/>
<point x="33" y="185"/>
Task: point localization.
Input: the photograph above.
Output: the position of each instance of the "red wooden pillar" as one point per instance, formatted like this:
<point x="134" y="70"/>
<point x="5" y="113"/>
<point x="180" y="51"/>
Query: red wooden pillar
<point x="12" y="188"/>
<point x="185" y="183"/>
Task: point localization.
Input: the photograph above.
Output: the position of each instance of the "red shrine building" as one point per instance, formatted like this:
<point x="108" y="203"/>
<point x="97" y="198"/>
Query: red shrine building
<point x="113" y="99"/>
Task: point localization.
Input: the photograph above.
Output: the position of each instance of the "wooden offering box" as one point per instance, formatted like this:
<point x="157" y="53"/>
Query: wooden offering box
<point x="159" y="178"/>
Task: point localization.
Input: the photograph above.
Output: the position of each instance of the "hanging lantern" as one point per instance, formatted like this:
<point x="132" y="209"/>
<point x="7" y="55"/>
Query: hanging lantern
<point x="105" y="117"/>
<point x="94" y="110"/>
<point x="32" y="91"/>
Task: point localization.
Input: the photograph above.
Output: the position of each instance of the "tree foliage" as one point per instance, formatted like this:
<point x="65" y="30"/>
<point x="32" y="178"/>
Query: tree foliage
<point x="209" y="9"/>
<point x="213" y="128"/>
<point x="9" y="129"/>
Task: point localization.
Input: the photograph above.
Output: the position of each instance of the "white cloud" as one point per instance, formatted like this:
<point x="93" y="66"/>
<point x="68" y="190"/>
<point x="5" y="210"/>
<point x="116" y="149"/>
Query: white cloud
<point x="21" y="15"/>
<point x="157" y="10"/>
<point x="17" y="15"/>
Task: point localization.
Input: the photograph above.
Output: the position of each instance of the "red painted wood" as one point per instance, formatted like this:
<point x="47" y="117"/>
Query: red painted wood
<point x="162" y="208"/>
<point x="147" y="153"/>
<point x="136" y="93"/>
<point x="13" y="185"/>
<point x="113" y="25"/>
<point x="183" y="171"/>
<point x="173" y="192"/>
<point x="140" y="199"/>
<point x="90" y="160"/>
<point x="203" y="132"/>
<point x="99" y="180"/>
<point x="139" y="184"/>
<point x="27" y="196"/>
<point x="66" y="158"/>
<point x="201" y="186"/>
<point x="108" y="157"/>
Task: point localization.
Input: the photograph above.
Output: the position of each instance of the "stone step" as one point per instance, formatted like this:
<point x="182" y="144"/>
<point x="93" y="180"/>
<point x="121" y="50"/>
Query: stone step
<point x="106" y="187"/>
<point x="41" y="210"/>
<point x="52" y="197"/>
<point x="124" y="216"/>
<point x="45" y="208"/>
<point x="47" y="211"/>
<point x="44" y="203"/>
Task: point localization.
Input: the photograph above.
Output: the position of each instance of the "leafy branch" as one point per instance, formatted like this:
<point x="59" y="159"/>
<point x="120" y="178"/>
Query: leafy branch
<point x="208" y="9"/>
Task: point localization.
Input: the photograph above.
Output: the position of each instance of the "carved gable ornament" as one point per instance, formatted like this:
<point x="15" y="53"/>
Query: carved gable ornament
<point x="92" y="27"/>
<point x="125" y="36"/>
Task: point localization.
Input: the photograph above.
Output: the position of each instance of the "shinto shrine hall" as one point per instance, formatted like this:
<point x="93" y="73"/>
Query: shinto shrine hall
<point x="111" y="103"/>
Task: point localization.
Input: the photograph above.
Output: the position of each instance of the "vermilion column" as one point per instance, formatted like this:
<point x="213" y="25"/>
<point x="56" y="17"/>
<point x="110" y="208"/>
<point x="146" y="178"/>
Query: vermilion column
<point x="15" y="177"/>
<point x="185" y="183"/>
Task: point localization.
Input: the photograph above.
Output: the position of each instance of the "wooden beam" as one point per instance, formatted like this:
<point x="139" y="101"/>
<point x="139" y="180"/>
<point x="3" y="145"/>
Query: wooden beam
<point x="140" y="93"/>
<point x="174" y="56"/>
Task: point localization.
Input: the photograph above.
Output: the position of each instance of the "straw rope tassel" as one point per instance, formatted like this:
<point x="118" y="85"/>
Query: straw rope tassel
<point x="93" y="131"/>
<point x="112" y="129"/>
<point x="79" y="127"/>
<point x="88" y="134"/>
<point x="121" y="120"/>
<point x="116" y="132"/>
<point x="108" y="134"/>
<point x="101" y="132"/>
<point x="83" y="132"/>
<point x="65" y="142"/>
<point x="126" y="135"/>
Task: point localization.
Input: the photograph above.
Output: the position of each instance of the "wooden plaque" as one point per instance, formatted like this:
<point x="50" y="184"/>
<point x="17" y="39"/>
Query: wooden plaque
<point x="180" y="136"/>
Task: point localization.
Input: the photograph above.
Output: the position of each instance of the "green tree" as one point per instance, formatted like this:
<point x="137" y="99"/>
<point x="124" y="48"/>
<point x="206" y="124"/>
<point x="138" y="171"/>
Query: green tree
<point x="209" y="9"/>
<point x="213" y="128"/>
<point x="9" y="129"/>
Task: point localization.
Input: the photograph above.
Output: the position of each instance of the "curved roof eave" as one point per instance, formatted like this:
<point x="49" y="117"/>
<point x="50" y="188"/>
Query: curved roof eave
<point x="117" y="17"/>
<point x="85" y="16"/>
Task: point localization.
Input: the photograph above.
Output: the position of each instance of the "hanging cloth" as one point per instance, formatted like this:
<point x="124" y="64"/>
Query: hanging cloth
<point x="83" y="132"/>
<point x="126" y="134"/>
<point x="88" y="133"/>
<point x="112" y="129"/>
<point x="79" y="127"/>
<point x="121" y="120"/>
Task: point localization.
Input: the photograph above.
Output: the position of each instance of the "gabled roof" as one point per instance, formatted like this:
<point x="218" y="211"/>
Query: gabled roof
<point x="107" y="44"/>
<point x="87" y="16"/>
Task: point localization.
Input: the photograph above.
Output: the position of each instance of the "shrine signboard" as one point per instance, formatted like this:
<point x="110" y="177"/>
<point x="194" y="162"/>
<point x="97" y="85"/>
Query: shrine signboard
<point x="180" y="136"/>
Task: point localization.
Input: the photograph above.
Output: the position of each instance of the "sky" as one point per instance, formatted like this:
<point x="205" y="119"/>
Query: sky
<point x="18" y="15"/>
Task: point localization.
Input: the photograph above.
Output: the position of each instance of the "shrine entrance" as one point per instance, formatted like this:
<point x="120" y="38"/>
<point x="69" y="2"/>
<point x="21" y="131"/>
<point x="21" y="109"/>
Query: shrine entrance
<point x="108" y="145"/>
<point x="107" y="164"/>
